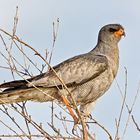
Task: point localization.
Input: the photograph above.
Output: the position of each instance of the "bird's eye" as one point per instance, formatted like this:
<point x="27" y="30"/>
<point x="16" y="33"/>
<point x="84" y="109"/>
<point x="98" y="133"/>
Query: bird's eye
<point x="112" y="30"/>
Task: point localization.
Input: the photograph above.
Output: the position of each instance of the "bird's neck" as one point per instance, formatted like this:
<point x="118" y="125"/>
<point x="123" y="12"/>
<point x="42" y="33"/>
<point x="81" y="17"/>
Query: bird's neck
<point x="106" y="48"/>
<point x="111" y="52"/>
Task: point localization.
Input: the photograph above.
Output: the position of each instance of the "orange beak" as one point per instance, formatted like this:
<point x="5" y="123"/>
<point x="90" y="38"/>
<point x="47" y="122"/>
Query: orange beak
<point x="119" y="33"/>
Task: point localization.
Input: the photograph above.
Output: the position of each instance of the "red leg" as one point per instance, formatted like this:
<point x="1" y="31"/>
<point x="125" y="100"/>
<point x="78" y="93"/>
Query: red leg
<point x="72" y="113"/>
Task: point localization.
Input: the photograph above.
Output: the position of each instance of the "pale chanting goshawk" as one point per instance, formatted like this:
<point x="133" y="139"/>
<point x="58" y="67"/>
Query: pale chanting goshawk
<point x="87" y="76"/>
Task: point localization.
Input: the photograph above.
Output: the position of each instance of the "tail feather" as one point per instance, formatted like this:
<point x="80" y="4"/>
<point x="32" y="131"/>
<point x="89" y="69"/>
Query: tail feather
<point x="33" y="94"/>
<point x="17" y="83"/>
<point x="21" y="83"/>
<point x="18" y="91"/>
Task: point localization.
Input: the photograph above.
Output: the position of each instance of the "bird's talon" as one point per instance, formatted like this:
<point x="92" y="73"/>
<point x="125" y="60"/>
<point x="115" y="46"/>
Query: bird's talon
<point x="74" y="129"/>
<point x="90" y="116"/>
<point x="87" y="126"/>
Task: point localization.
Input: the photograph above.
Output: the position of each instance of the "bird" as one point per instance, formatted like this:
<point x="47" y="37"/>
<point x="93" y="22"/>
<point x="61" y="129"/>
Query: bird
<point x="87" y="76"/>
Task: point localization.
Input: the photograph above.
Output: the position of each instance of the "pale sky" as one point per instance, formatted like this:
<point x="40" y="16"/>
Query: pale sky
<point x="80" y="22"/>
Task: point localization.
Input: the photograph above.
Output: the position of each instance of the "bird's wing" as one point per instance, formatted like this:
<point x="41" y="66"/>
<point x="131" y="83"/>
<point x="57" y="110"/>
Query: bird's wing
<point x="74" y="71"/>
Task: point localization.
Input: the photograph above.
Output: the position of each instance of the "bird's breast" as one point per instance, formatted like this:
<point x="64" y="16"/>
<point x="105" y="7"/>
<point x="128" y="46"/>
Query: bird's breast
<point x="93" y="89"/>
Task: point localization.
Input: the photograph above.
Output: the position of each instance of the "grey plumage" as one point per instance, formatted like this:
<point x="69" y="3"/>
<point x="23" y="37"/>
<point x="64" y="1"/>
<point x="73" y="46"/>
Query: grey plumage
<point x="87" y="76"/>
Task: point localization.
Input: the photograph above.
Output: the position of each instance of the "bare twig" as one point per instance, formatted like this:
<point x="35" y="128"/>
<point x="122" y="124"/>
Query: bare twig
<point x="130" y="110"/>
<point x="40" y="136"/>
<point x="55" y="33"/>
<point x="11" y="129"/>
<point x="136" y="124"/>
<point x="24" y="111"/>
<point x="5" y="111"/>
<point x="122" y="107"/>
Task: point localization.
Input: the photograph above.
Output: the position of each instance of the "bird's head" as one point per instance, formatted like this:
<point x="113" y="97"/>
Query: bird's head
<point x="111" y="33"/>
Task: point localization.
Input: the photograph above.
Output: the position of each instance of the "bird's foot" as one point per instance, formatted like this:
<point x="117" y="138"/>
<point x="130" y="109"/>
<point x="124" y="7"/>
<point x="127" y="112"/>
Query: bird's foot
<point x="90" y="116"/>
<point x="74" y="129"/>
<point x="85" y="130"/>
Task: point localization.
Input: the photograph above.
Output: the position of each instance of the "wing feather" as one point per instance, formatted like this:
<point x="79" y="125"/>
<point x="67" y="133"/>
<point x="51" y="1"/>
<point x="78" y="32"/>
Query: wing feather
<point x="76" y="70"/>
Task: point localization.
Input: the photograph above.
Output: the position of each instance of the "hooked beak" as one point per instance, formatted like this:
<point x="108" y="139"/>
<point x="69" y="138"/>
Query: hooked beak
<point x="119" y="33"/>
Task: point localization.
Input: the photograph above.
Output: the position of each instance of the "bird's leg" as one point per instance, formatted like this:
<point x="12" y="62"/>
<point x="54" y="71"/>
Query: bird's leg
<point x="86" y="110"/>
<point x="72" y="113"/>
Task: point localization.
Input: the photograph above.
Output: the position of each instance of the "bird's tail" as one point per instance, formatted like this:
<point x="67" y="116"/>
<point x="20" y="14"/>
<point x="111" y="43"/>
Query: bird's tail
<point x="17" y="91"/>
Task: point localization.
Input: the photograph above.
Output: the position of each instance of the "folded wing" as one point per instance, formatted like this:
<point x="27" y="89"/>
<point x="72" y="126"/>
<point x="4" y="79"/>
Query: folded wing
<point x="74" y="71"/>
